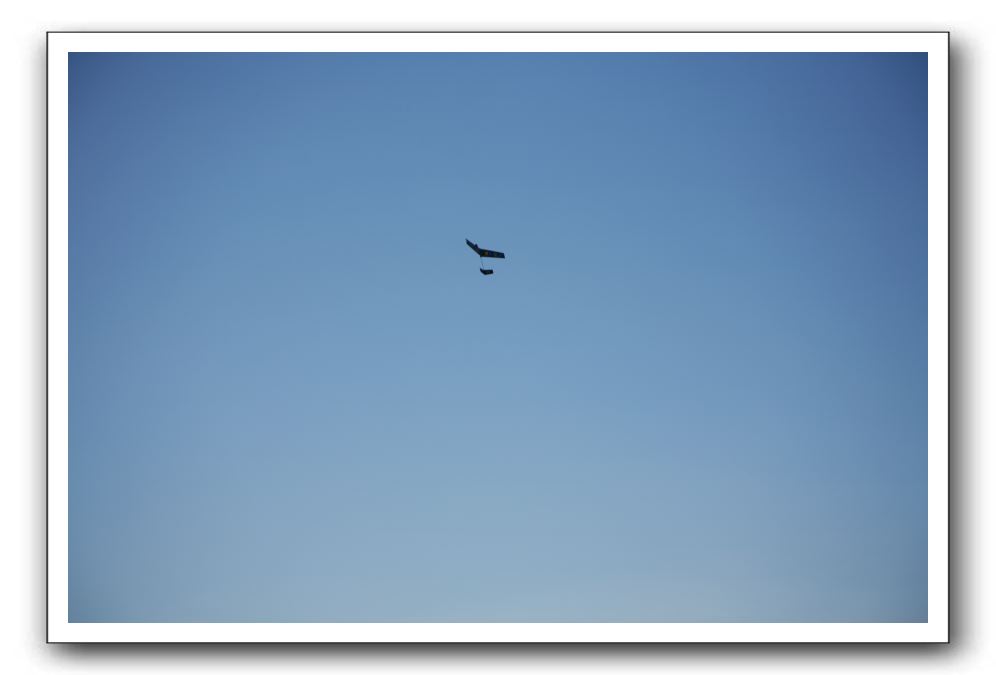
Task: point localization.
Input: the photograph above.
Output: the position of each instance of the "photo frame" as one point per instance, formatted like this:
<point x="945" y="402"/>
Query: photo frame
<point x="63" y="44"/>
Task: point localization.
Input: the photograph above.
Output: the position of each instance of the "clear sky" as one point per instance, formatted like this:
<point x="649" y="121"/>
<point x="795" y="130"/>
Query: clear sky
<point x="696" y="389"/>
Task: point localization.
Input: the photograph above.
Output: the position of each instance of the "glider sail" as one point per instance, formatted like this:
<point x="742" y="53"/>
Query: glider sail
<point x="484" y="253"/>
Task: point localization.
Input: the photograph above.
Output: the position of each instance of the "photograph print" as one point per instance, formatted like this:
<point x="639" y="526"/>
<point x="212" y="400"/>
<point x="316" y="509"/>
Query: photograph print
<point x="517" y="342"/>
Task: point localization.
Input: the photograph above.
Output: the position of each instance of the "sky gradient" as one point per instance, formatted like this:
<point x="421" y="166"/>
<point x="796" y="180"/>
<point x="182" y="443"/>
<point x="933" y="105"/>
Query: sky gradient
<point x="696" y="389"/>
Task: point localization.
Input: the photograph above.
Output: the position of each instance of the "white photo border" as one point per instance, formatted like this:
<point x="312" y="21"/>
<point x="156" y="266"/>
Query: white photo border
<point x="61" y="44"/>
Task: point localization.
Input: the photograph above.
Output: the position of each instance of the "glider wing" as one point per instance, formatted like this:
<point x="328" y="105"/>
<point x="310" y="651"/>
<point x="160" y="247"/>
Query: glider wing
<point x="483" y="252"/>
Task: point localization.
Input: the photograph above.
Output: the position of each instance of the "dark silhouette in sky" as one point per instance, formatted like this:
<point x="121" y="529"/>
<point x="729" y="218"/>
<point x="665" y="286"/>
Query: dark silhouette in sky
<point x="484" y="253"/>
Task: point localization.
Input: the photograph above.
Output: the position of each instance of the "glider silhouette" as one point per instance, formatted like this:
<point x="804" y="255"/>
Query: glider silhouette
<point x="484" y="253"/>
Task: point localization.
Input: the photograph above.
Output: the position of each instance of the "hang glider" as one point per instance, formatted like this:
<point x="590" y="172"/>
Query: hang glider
<point x="484" y="253"/>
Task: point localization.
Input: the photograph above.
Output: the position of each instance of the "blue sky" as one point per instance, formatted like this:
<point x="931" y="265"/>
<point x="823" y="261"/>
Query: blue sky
<point x="694" y="391"/>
